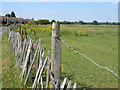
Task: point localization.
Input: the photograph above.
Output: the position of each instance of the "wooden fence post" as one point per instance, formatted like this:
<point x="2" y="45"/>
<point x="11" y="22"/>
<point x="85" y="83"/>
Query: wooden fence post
<point x="21" y="38"/>
<point x="55" y="53"/>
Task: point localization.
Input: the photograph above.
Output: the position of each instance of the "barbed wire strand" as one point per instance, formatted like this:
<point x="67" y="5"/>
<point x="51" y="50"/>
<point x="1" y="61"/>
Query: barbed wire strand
<point x="90" y="59"/>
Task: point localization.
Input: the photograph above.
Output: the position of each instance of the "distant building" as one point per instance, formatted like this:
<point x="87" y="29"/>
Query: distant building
<point x="13" y="20"/>
<point x="3" y="20"/>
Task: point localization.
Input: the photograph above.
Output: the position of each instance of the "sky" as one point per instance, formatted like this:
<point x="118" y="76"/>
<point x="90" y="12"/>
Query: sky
<point x="61" y="11"/>
<point x="59" y="1"/>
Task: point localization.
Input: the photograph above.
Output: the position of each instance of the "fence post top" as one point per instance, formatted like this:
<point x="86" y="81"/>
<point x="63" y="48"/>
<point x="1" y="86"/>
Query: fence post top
<point x="55" y="25"/>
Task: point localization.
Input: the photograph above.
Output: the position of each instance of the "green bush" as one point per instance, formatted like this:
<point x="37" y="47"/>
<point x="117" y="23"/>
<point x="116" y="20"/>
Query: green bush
<point x="81" y="33"/>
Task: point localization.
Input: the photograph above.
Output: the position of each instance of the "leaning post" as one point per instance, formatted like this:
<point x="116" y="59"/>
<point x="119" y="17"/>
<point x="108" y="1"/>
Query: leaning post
<point x="56" y="52"/>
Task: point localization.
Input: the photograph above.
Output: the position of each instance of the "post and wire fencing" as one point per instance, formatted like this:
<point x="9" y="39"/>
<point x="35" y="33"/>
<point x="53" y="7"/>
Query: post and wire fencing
<point x="41" y="69"/>
<point x="77" y="52"/>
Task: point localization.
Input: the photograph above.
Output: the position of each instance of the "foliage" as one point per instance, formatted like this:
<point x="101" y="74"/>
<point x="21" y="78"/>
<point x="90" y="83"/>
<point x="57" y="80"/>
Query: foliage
<point x="53" y="21"/>
<point x="7" y="15"/>
<point x="81" y="33"/>
<point x="81" y="22"/>
<point x="95" y="22"/>
<point x="13" y="14"/>
<point x="65" y="22"/>
<point x="43" y="22"/>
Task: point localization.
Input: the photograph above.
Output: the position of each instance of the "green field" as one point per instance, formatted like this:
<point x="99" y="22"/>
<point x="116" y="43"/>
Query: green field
<point x="98" y="42"/>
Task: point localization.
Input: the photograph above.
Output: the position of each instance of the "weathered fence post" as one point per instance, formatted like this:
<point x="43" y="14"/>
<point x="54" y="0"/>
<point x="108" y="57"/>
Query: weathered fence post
<point x="21" y="38"/>
<point x="55" y="53"/>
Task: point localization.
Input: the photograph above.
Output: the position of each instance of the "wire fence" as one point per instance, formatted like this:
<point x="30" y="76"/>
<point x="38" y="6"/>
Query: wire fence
<point x="26" y="58"/>
<point x="77" y="52"/>
<point x="34" y="65"/>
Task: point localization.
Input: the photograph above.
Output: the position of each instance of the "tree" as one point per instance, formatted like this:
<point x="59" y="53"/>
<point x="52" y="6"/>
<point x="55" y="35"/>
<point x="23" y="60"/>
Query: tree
<point x="32" y="19"/>
<point x="81" y="22"/>
<point x="107" y="23"/>
<point x="7" y="15"/>
<point x="38" y="21"/>
<point x="76" y="22"/>
<point x="65" y="22"/>
<point x="42" y="21"/>
<point x="114" y="23"/>
<point x="53" y="21"/>
<point x="45" y="22"/>
<point x="13" y="14"/>
<point x="95" y="22"/>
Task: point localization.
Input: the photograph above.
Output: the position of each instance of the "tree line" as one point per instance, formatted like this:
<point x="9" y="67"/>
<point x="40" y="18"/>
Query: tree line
<point x="95" y="22"/>
<point x="10" y="15"/>
<point x="45" y="21"/>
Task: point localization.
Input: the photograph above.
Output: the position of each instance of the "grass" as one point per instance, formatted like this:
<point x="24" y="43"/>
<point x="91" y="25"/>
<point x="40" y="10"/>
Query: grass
<point x="101" y="46"/>
<point x="10" y="74"/>
<point x="0" y="64"/>
<point x="99" y="42"/>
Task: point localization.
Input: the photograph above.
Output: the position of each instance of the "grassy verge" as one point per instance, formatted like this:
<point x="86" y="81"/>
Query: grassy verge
<point x="10" y="74"/>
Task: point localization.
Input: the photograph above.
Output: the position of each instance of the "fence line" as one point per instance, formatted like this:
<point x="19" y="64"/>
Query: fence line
<point x="89" y="59"/>
<point x="31" y="59"/>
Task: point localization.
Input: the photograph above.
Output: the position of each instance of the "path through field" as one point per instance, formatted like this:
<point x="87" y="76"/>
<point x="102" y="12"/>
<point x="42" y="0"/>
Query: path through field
<point x="2" y="29"/>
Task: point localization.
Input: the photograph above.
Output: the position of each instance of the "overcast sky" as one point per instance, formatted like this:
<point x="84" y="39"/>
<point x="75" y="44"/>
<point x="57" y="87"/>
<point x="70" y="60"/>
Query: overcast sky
<point x="60" y="11"/>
